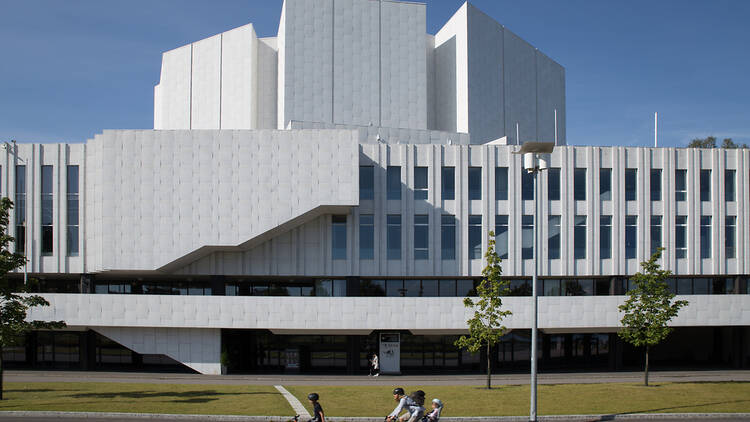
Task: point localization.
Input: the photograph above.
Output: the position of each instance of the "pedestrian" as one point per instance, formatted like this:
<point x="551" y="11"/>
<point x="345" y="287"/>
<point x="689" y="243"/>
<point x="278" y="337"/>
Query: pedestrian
<point x="374" y="365"/>
<point x="317" y="408"/>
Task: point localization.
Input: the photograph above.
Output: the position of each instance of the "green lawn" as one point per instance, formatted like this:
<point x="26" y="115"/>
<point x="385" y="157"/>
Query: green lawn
<point x="513" y="400"/>
<point x="147" y="398"/>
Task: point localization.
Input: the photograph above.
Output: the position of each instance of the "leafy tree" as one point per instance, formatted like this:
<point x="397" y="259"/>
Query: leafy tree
<point x="485" y="327"/>
<point x="729" y="144"/>
<point x="709" y="142"/>
<point x="14" y="306"/>
<point x="650" y="306"/>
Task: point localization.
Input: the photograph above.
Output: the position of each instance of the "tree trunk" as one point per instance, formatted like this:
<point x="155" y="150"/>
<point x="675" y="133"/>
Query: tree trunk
<point x="1" y="372"/>
<point x="489" y="368"/>
<point x="645" y="372"/>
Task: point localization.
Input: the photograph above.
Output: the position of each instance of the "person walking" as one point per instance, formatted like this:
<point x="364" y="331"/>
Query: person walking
<point x="374" y="365"/>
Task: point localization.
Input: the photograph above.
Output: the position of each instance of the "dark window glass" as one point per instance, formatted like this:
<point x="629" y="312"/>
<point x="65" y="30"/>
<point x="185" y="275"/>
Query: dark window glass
<point x="527" y="185"/>
<point x="20" y="209"/>
<point x="465" y="288"/>
<point x="448" y="183"/>
<point x="394" y="236"/>
<point x="655" y="184"/>
<point x="579" y="184"/>
<point x="475" y="236"/>
<point x="447" y="288"/>
<point x="527" y="237"/>
<point x="605" y="184"/>
<point x="420" y="183"/>
<point x="553" y="242"/>
<point x="366" y="182"/>
<point x="705" y="185"/>
<point x="47" y="210"/>
<point x="501" y="236"/>
<point x="605" y="237"/>
<point x="338" y="237"/>
<point x="601" y="287"/>
<point x="705" y="236"/>
<point x="700" y="286"/>
<point x="371" y="287"/>
<point x="580" y="237"/>
<point x="448" y="237"/>
<point x="730" y="179"/>
<point x="393" y="182"/>
<point x="631" y="184"/>
<point x="501" y="183"/>
<point x="655" y="233"/>
<point x="421" y="237"/>
<point x="553" y="184"/>
<point x="680" y="185"/>
<point x="730" y="230"/>
<point x="366" y="236"/>
<point x="551" y="287"/>
<point x="72" y="210"/>
<point x="684" y="286"/>
<point x="680" y="236"/>
<point x="475" y="183"/>
<point x="413" y="288"/>
<point x="631" y="236"/>
<point x="429" y="288"/>
<point x="395" y="288"/>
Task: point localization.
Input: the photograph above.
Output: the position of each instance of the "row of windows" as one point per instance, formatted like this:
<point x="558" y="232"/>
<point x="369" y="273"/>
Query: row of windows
<point x="448" y="184"/>
<point x="47" y="205"/>
<point x="580" y="233"/>
<point x="366" y="287"/>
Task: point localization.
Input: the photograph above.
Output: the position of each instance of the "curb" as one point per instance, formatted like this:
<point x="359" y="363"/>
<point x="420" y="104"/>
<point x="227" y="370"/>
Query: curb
<point x="232" y="418"/>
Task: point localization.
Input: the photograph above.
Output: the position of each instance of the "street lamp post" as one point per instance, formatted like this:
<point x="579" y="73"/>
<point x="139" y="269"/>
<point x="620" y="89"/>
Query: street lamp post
<point x="534" y="161"/>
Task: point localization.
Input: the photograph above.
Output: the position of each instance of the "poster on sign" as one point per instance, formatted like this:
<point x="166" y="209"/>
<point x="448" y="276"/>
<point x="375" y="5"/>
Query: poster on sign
<point x="390" y="353"/>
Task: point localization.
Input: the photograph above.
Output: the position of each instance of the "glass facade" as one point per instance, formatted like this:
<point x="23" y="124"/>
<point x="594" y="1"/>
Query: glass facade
<point x="501" y="236"/>
<point x="20" y="209"/>
<point x="631" y="236"/>
<point x="680" y="185"/>
<point x="393" y="183"/>
<point x="553" y="184"/>
<point x="367" y="182"/>
<point x="605" y="184"/>
<point x="47" y="211"/>
<point x="475" y="237"/>
<point x="579" y="237"/>
<point x="501" y="183"/>
<point x="527" y="185"/>
<point x="605" y="237"/>
<point x="730" y="179"/>
<point x="421" y="236"/>
<point x="680" y="236"/>
<point x="448" y="183"/>
<point x="579" y="184"/>
<point x="553" y="240"/>
<point x="448" y="237"/>
<point x="705" y="236"/>
<point x="420" y="183"/>
<point x="655" y="184"/>
<point x="655" y="233"/>
<point x="475" y="183"/>
<point x="527" y="237"/>
<point x="631" y="184"/>
<point x="730" y="237"/>
<point x="72" y="211"/>
<point x="366" y="236"/>
<point x="393" y="236"/>
<point x="338" y="237"/>
<point x="705" y="185"/>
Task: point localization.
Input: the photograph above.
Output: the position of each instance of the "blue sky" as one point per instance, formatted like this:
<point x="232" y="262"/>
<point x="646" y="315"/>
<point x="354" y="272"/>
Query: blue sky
<point x="69" y="69"/>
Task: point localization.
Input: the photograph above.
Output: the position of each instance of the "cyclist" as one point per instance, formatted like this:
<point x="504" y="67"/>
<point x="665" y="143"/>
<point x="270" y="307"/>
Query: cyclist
<point x="317" y="408"/>
<point x="413" y="410"/>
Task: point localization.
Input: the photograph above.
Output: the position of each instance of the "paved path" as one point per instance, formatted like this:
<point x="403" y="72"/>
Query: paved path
<point x="405" y="380"/>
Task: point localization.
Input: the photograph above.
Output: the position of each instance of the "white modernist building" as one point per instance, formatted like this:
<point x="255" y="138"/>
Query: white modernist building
<point x="308" y="199"/>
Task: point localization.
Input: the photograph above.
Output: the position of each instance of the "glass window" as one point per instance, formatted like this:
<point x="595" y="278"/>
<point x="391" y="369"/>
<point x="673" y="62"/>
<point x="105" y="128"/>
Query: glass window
<point x="631" y="184"/>
<point x="579" y="184"/>
<point x="551" y="287"/>
<point x="46" y="197"/>
<point x="72" y="210"/>
<point x="553" y="241"/>
<point x="501" y="236"/>
<point x="448" y="237"/>
<point x="605" y="237"/>
<point x="553" y="184"/>
<point x="393" y="235"/>
<point x="527" y="185"/>
<point x="705" y="185"/>
<point x="366" y="236"/>
<point x="501" y="183"/>
<point x="395" y="288"/>
<point x="680" y="185"/>
<point x="371" y="287"/>
<point x="366" y="182"/>
<point x="680" y="236"/>
<point x="730" y="179"/>
<point x="393" y="176"/>
<point x="527" y="237"/>
<point x="448" y="183"/>
<point x="475" y="183"/>
<point x="684" y="286"/>
<point x="465" y="288"/>
<point x="700" y="286"/>
<point x="429" y="288"/>
<point x="420" y="183"/>
<point x="580" y="237"/>
<point x="655" y="233"/>
<point x="631" y="236"/>
<point x="475" y="236"/>
<point x="447" y="288"/>
<point x="730" y="231"/>
<point x="605" y="184"/>
<point x="706" y="236"/>
<point x="413" y="288"/>
<point x="655" y="184"/>
<point x="421" y="237"/>
<point x="338" y="236"/>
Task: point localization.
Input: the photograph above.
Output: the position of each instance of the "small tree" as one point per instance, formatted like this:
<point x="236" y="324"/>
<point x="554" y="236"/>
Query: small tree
<point x="650" y="306"/>
<point x="14" y="306"/>
<point x="708" y="142"/>
<point x="485" y="327"/>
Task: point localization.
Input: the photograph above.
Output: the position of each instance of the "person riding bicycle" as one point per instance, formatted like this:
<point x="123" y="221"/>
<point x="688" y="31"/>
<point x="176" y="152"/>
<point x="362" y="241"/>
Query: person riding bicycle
<point x="434" y="415"/>
<point x="317" y="408"/>
<point x="414" y="410"/>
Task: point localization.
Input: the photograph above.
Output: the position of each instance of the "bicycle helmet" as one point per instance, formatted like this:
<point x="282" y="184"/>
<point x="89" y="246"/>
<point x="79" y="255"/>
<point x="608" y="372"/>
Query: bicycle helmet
<point x="313" y="396"/>
<point x="438" y="402"/>
<point x="398" y="391"/>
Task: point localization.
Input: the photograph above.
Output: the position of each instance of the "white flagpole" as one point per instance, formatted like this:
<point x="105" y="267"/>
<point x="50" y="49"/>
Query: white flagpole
<point x="656" y="130"/>
<point x="555" y="127"/>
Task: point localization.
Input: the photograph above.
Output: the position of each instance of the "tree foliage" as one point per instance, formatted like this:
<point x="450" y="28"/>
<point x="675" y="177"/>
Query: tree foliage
<point x="14" y="298"/>
<point x="649" y="307"/>
<point x="710" y="142"/>
<point x="485" y="326"/>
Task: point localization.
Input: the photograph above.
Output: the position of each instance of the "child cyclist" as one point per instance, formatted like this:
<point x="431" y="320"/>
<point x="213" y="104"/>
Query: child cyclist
<point x="434" y="415"/>
<point x="317" y="408"/>
<point x="414" y="410"/>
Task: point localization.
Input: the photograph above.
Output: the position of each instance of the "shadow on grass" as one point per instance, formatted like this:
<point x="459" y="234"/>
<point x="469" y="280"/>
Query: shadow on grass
<point x="611" y="417"/>
<point x="37" y="390"/>
<point x="201" y="396"/>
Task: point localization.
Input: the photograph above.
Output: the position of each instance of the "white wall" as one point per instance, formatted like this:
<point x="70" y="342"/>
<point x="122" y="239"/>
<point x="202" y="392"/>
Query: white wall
<point x="240" y="69"/>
